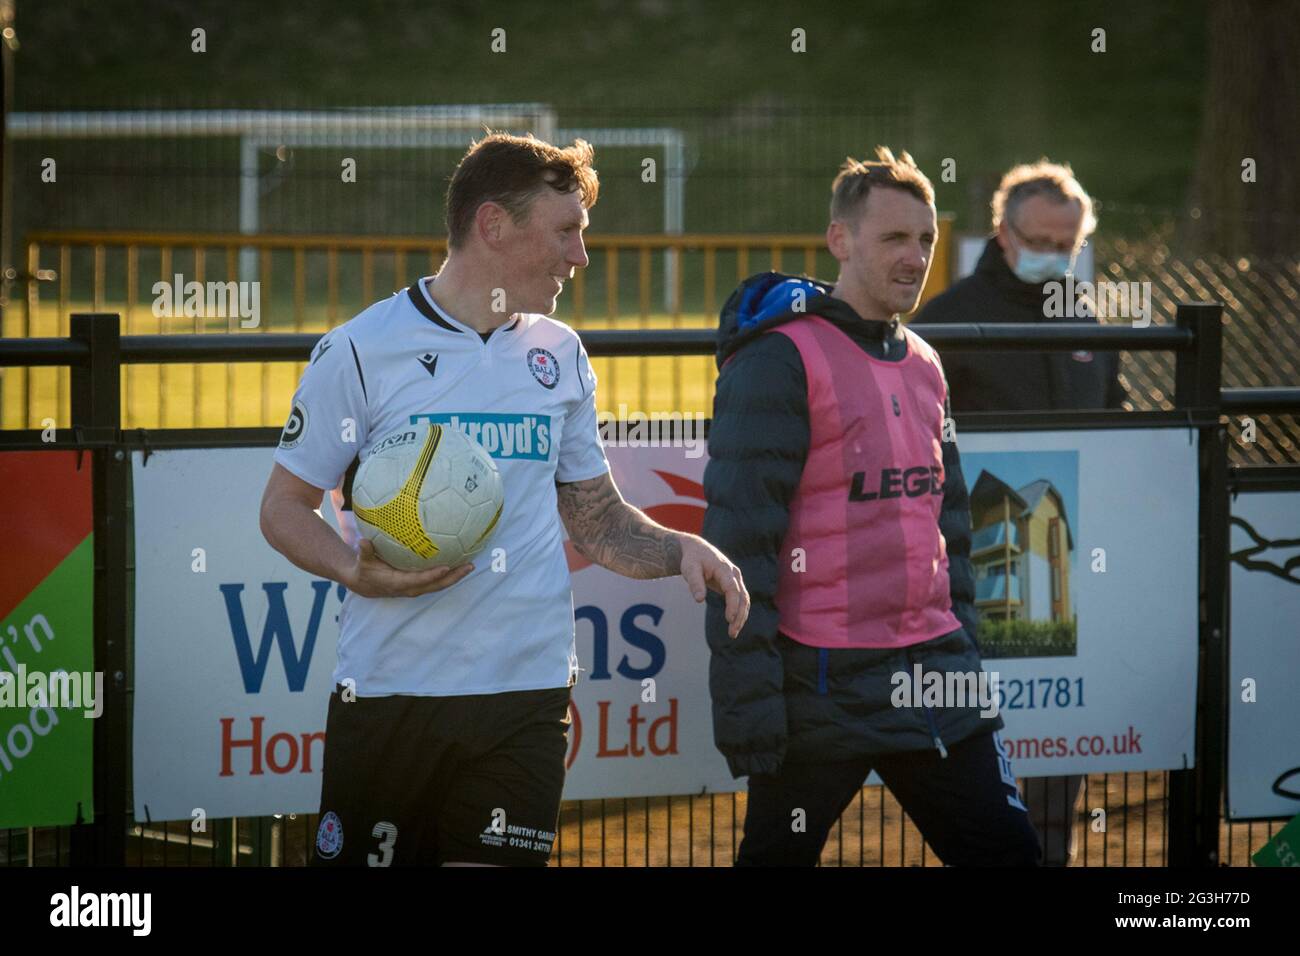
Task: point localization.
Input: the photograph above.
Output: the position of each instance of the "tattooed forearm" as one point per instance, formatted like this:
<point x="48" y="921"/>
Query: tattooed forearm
<point x="615" y="535"/>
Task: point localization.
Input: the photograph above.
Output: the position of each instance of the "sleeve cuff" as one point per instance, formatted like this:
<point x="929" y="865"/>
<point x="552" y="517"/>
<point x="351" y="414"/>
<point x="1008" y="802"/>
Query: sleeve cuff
<point x="299" y="472"/>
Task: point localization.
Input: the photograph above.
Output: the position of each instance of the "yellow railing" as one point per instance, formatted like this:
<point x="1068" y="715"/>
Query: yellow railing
<point x="313" y="283"/>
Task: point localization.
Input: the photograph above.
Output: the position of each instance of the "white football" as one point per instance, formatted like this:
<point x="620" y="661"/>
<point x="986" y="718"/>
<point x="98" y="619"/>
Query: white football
<point x="427" y="496"/>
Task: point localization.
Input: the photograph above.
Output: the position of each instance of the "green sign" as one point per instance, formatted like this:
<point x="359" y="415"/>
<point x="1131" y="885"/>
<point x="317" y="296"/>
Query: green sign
<point x="1283" y="849"/>
<point x="49" y="691"/>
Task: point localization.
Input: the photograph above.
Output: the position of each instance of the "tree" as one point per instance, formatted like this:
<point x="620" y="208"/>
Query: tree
<point x="1252" y="112"/>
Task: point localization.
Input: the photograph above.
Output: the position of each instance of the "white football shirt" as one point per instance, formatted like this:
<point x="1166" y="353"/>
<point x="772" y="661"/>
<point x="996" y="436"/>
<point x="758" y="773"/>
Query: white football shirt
<point x="527" y="395"/>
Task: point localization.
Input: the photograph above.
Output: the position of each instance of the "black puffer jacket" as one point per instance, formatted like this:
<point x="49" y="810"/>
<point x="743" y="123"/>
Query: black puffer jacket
<point x="774" y="699"/>
<point x="1016" y="381"/>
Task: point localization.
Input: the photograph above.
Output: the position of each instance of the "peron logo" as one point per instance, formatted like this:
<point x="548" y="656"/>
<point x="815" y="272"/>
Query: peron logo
<point x="393" y="441"/>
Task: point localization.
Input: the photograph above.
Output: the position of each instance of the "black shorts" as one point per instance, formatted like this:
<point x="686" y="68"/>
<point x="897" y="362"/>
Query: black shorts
<point x="433" y="780"/>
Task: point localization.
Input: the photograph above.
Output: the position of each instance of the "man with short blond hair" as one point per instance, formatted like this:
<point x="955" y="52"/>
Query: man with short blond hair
<point x="856" y="178"/>
<point x="832" y="484"/>
<point x="446" y="734"/>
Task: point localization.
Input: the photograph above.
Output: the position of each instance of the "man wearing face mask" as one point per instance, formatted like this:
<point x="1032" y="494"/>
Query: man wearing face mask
<point x="1041" y="216"/>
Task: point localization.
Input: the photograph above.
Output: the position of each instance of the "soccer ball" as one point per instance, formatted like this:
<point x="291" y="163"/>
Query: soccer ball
<point x="427" y="496"/>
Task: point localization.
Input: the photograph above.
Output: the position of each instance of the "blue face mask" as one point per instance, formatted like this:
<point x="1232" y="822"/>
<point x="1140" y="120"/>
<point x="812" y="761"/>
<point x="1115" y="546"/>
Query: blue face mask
<point x="1039" y="267"/>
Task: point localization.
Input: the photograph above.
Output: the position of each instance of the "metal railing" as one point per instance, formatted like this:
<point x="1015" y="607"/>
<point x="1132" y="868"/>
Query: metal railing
<point x="312" y="283"/>
<point x="653" y="830"/>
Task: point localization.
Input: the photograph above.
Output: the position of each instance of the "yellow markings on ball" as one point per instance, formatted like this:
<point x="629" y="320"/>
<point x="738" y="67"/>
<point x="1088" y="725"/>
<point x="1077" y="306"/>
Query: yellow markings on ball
<point x="488" y="530"/>
<point x="400" y="517"/>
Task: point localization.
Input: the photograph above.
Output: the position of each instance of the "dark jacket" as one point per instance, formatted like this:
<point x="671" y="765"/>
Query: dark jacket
<point x="1016" y="381"/>
<point x="775" y="699"/>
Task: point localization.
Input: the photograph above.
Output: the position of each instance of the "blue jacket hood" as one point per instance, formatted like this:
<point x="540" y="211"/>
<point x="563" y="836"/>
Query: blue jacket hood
<point x="762" y="300"/>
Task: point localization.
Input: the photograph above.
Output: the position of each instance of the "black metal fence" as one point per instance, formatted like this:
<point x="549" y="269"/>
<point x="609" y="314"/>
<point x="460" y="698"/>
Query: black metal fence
<point x="691" y="830"/>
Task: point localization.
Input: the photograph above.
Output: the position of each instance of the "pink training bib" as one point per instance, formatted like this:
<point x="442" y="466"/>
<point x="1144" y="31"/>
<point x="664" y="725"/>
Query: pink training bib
<point x="866" y="512"/>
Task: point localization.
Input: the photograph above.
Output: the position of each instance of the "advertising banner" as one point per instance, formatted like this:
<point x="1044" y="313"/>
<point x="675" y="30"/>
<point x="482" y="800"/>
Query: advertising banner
<point x="1085" y="556"/>
<point x="1084" y="546"/>
<point x="49" y="691"/>
<point x="234" y="646"/>
<point x="1264" y="669"/>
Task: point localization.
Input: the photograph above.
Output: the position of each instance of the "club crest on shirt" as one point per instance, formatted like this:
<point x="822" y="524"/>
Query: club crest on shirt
<point x="544" y="367"/>
<point x="897" y="410"/>
<point x="329" y="836"/>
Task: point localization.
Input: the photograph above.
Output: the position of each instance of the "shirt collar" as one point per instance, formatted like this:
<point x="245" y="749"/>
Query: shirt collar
<point x="423" y="302"/>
